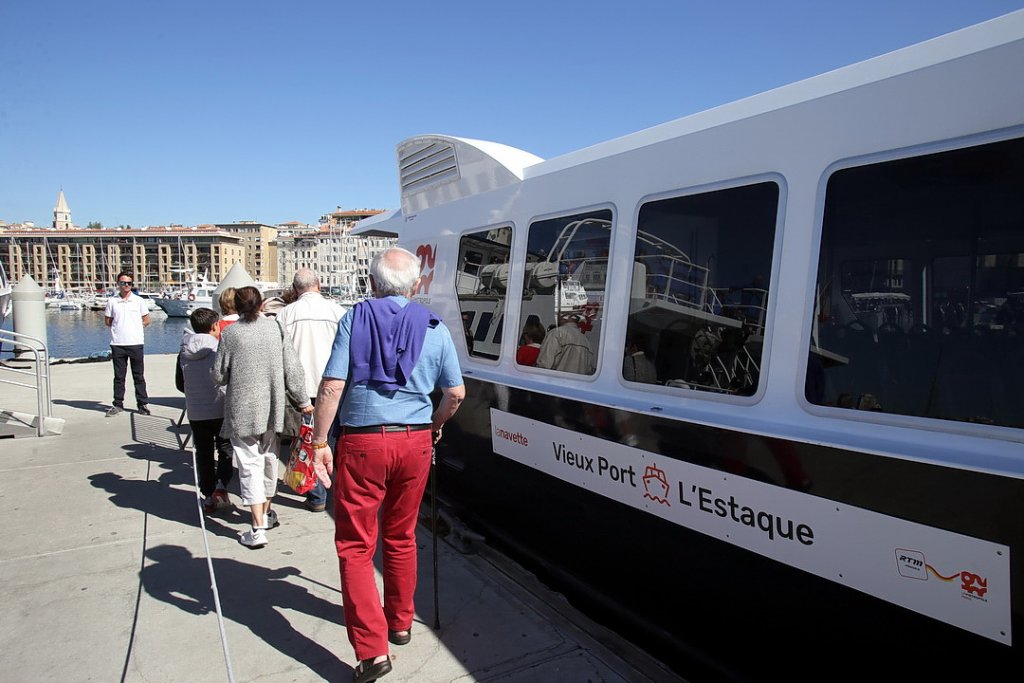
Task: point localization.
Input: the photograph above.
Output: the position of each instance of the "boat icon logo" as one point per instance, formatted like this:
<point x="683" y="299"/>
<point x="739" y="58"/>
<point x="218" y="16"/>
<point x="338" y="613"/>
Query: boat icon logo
<point x="656" y="485"/>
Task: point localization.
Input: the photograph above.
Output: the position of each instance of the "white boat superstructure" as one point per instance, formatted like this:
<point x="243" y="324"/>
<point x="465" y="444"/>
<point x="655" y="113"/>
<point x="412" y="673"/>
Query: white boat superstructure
<point x="668" y="252"/>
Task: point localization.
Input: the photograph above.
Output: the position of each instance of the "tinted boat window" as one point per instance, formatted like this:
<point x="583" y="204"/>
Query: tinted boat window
<point x="699" y="295"/>
<point x="563" y="292"/>
<point x="921" y="287"/>
<point x="480" y="283"/>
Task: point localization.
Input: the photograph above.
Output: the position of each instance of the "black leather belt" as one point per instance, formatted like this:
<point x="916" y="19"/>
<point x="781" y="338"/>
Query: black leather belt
<point x="379" y="429"/>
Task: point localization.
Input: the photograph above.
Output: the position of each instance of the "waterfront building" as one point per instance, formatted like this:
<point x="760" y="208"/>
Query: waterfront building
<point x="67" y="256"/>
<point x="259" y="241"/>
<point x="341" y="259"/>
<point x="159" y="257"/>
<point x="170" y="257"/>
<point x="287" y="255"/>
<point x="289" y="228"/>
<point x="5" y="226"/>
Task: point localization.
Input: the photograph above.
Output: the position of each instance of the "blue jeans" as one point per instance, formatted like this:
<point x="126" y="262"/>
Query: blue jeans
<point x="318" y="496"/>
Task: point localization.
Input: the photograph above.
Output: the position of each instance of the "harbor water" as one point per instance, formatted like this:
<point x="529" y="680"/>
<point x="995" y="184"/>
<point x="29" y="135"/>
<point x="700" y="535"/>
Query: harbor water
<point x="80" y="334"/>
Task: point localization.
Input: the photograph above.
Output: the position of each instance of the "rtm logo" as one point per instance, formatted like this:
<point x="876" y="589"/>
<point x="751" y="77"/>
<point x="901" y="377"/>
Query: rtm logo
<point x="428" y="255"/>
<point x="911" y="564"/>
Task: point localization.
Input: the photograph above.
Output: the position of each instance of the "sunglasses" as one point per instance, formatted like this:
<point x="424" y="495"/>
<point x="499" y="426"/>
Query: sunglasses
<point x="123" y="283"/>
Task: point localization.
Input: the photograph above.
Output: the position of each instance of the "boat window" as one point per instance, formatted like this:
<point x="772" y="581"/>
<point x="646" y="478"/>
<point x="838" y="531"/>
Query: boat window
<point x="481" y="282"/>
<point x="698" y="298"/>
<point x="563" y="291"/>
<point x="920" y="288"/>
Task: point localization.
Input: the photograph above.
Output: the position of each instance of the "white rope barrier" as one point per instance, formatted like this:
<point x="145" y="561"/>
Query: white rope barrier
<point x="209" y="564"/>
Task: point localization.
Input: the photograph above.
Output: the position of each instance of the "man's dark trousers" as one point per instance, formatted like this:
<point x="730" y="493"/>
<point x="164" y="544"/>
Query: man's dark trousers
<point x="121" y="355"/>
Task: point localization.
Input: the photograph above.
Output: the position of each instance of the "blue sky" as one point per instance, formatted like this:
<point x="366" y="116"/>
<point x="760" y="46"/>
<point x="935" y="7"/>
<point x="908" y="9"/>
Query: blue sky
<point x="222" y="110"/>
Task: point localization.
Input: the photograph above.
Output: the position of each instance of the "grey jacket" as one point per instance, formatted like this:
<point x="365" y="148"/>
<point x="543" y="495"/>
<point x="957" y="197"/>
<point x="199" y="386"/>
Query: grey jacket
<point x="203" y="398"/>
<point x="262" y="375"/>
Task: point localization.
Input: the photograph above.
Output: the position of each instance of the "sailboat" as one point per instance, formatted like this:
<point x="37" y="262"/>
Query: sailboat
<point x="59" y="298"/>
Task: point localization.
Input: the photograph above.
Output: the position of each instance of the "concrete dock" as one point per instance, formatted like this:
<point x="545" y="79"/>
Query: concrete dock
<point x="106" y="577"/>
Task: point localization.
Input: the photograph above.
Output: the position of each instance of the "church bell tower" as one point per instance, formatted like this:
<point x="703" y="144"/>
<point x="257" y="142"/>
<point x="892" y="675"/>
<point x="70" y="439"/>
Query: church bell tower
<point x="61" y="213"/>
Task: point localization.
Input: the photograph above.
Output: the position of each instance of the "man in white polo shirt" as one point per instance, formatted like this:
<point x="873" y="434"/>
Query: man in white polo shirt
<point x="127" y="316"/>
<point x="311" y="322"/>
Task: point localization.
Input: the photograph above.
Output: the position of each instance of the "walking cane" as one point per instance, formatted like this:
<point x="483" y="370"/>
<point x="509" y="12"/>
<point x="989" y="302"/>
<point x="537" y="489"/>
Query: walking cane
<point x="433" y="528"/>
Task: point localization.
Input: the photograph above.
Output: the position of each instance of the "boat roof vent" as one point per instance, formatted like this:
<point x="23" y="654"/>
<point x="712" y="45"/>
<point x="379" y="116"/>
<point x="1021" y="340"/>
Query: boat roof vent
<point x="426" y="163"/>
<point x="435" y="169"/>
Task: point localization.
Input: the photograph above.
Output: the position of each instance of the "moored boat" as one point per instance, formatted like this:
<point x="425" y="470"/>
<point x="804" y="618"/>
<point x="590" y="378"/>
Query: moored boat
<point x="5" y="295"/>
<point x="70" y="304"/>
<point x="98" y="302"/>
<point x="182" y="303"/>
<point x="150" y="299"/>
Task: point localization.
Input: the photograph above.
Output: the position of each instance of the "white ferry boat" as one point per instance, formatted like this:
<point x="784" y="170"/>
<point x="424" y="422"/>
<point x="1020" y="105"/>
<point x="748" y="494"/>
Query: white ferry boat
<point x="826" y="475"/>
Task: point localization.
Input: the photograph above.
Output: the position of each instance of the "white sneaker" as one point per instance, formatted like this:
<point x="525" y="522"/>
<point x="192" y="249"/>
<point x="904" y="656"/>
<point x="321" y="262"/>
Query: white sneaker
<point x="253" y="539"/>
<point x="270" y="520"/>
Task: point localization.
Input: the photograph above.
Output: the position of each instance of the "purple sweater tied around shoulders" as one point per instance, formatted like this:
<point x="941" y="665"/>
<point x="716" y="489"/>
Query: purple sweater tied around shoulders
<point x="386" y="341"/>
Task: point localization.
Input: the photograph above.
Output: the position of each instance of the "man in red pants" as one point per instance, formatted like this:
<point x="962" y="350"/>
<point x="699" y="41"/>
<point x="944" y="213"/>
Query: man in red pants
<point x="391" y="353"/>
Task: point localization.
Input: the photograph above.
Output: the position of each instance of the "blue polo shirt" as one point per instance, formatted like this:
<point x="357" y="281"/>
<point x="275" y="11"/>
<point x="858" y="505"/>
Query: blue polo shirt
<point x="437" y="368"/>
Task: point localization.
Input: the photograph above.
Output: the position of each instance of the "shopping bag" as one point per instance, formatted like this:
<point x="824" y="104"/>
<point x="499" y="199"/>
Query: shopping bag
<point x="300" y="475"/>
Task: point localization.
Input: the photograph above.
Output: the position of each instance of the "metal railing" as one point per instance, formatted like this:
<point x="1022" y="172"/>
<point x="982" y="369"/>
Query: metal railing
<point x="41" y="356"/>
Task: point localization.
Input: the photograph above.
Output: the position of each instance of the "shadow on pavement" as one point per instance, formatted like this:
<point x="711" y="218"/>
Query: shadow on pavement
<point x="83" y="405"/>
<point x="258" y="600"/>
<point x="169" y="495"/>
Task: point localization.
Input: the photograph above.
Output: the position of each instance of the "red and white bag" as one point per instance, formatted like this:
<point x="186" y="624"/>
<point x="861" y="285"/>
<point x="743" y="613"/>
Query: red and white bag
<point x="300" y="476"/>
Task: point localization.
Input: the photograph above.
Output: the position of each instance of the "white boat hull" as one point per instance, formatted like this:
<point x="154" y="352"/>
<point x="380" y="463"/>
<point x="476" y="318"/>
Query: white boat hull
<point x="182" y="308"/>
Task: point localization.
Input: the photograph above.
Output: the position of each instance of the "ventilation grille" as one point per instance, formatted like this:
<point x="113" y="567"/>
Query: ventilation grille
<point x="423" y="165"/>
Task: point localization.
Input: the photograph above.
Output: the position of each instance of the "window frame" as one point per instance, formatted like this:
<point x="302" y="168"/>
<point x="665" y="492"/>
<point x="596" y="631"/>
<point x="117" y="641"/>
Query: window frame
<point x="603" y="337"/>
<point x="770" y="303"/>
<point x="915" y="422"/>
<point x="502" y="347"/>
